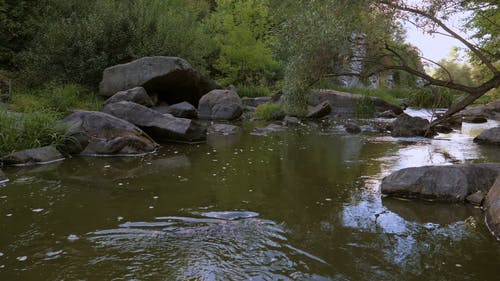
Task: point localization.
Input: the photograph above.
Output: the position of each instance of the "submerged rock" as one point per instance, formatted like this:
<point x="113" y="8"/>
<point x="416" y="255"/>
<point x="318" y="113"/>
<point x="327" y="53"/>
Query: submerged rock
<point x="492" y="209"/>
<point x="34" y="156"/>
<point x="161" y="127"/>
<point x="172" y="78"/>
<point x="352" y="128"/>
<point x="137" y="95"/>
<point x="183" y="110"/>
<point x="223" y="129"/>
<point x="407" y="126"/>
<point x="319" y="110"/>
<point x="220" y="105"/>
<point x="489" y="136"/>
<point x="264" y="131"/>
<point x="95" y="133"/>
<point x="442" y="183"/>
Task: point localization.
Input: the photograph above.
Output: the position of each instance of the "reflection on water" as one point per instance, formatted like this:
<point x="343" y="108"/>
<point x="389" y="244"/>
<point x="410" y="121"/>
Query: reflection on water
<point x="312" y="210"/>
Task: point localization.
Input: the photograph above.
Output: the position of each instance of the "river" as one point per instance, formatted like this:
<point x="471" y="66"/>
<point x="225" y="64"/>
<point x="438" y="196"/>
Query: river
<point x="303" y="204"/>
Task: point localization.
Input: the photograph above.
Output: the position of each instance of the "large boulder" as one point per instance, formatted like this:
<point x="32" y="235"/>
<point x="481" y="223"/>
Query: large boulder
<point x="41" y="155"/>
<point x="347" y="105"/>
<point x="3" y="178"/>
<point x="489" y="136"/>
<point x="220" y="105"/>
<point x="492" y="209"/>
<point x="183" y="110"/>
<point x="490" y="111"/>
<point x="94" y="133"/>
<point x="137" y="95"/>
<point x="172" y="78"/>
<point x="161" y="127"/>
<point x="407" y="126"/>
<point x="319" y="110"/>
<point x="442" y="183"/>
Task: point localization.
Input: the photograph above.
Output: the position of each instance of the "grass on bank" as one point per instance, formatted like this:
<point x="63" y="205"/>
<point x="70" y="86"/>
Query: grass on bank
<point x="31" y="119"/>
<point x="269" y="111"/>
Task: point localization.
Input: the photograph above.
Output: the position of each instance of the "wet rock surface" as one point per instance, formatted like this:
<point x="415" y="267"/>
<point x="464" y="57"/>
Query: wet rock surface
<point x="489" y="136"/>
<point x="441" y="183"/>
<point x="320" y="110"/>
<point x="264" y="131"/>
<point x="183" y="110"/>
<point x="407" y="126"/>
<point x="492" y="209"/>
<point x="223" y="129"/>
<point x="33" y="156"/>
<point x="96" y="133"/>
<point x="161" y="127"/>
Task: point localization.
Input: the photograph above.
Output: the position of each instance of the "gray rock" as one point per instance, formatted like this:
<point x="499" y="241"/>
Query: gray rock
<point x="220" y="105"/>
<point x="254" y="102"/>
<point x="163" y="109"/>
<point x="476" y="198"/>
<point x="291" y="121"/>
<point x="161" y="127"/>
<point x="443" y="128"/>
<point x="271" y="128"/>
<point x="407" y="126"/>
<point x="137" y="95"/>
<point x="492" y="209"/>
<point x="474" y="119"/>
<point x="172" y="78"/>
<point x="183" y="110"/>
<point x="387" y="114"/>
<point x="3" y="178"/>
<point x="96" y="133"/>
<point x="346" y="104"/>
<point x="489" y="136"/>
<point x="320" y="110"/>
<point x="352" y="128"/>
<point x="442" y="183"/>
<point x="34" y="156"/>
<point x="223" y="129"/>
<point x="489" y="111"/>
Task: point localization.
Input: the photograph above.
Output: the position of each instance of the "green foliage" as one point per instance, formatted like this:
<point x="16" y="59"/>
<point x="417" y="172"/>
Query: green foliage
<point x="454" y="70"/>
<point x="28" y="130"/>
<point x="76" y="47"/>
<point x="58" y="99"/>
<point x="241" y="30"/>
<point x="269" y="111"/>
<point x="253" y="91"/>
<point x="432" y="97"/>
<point x="365" y="107"/>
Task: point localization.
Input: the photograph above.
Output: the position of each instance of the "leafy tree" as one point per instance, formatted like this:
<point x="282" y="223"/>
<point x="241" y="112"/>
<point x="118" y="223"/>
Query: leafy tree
<point x="241" y="30"/>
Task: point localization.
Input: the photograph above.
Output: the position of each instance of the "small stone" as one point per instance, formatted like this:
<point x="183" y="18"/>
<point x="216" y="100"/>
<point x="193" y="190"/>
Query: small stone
<point x="22" y="258"/>
<point x="476" y="198"/>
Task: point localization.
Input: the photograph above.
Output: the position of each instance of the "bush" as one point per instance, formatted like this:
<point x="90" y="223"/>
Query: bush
<point x="432" y="97"/>
<point x="28" y="130"/>
<point x="269" y="111"/>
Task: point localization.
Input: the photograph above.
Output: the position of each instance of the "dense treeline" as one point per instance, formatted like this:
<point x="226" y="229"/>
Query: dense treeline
<point x="254" y="44"/>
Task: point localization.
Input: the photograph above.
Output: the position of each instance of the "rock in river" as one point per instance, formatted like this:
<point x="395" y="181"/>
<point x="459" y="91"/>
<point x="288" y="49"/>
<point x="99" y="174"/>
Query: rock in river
<point x="34" y="156"/>
<point x="137" y="95"/>
<point x="220" y="105"/>
<point x="161" y="127"/>
<point x="96" y="133"/>
<point x="172" y="78"/>
<point x="451" y="183"/>
<point x="183" y="110"/>
<point x="407" y="126"/>
<point x="492" y="209"/>
<point x="489" y="136"/>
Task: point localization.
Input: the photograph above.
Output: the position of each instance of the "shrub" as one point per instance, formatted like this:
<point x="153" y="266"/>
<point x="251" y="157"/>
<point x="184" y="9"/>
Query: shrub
<point x="269" y="111"/>
<point x="253" y="91"/>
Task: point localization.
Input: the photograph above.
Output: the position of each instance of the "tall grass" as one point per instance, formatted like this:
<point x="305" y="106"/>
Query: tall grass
<point x="269" y="111"/>
<point x="19" y="131"/>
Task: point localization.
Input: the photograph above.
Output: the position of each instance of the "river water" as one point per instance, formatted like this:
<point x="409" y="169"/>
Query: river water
<point x="303" y="204"/>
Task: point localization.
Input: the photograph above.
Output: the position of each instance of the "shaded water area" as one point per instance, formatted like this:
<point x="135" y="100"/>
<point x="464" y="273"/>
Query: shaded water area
<point x="303" y="204"/>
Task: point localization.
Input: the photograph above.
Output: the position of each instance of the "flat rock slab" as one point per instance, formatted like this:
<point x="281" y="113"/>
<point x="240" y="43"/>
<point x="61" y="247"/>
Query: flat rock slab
<point x="492" y="209"/>
<point x="489" y="136"/>
<point x="451" y="183"/>
<point x="172" y="78"/>
<point x="96" y="133"/>
<point x="41" y="155"/>
<point x="161" y="127"/>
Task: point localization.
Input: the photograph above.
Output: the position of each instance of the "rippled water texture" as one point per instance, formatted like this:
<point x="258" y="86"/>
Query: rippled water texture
<point x="303" y="204"/>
